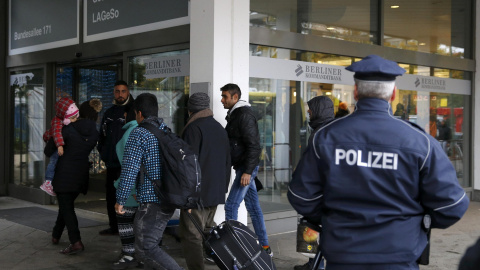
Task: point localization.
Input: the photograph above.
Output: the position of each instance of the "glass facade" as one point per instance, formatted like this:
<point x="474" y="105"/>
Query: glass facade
<point x="28" y="91"/>
<point x="351" y="20"/>
<point x="438" y="27"/>
<point x="171" y="92"/>
<point x="281" y="106"/>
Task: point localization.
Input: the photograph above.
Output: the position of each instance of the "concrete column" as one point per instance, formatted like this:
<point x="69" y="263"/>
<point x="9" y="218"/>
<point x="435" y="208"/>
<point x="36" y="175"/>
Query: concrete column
<point x="476" y="113"/>
<point x="219" y="41"/>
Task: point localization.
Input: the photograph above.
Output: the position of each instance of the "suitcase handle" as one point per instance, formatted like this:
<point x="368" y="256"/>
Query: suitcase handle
<point x="200" y="230"/>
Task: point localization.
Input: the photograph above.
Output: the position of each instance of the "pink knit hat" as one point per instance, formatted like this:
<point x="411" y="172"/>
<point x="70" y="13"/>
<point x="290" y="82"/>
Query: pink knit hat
<point x="71" y="111"/>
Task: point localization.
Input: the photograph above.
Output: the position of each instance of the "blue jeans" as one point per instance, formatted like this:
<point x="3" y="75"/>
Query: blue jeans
<point x="50" y="171"/>
<point x="149" y="225"/>
<point x="249" y="193"/>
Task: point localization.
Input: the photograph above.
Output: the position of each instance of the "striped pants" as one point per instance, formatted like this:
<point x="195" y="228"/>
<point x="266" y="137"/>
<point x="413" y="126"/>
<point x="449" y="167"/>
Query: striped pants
<point x="125" y="230"/>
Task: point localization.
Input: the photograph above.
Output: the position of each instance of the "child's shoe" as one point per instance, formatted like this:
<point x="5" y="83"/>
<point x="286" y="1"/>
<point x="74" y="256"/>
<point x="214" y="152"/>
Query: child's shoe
<point x="48" y="188"/>
<point x="268" y="250"/>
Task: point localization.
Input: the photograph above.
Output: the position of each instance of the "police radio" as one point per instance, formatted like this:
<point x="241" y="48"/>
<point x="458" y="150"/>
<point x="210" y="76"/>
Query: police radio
<point x="425" y="257"/>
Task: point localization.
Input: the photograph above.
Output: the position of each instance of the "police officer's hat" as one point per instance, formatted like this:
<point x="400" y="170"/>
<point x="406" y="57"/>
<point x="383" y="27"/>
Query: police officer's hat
<point x="375" y="68"/>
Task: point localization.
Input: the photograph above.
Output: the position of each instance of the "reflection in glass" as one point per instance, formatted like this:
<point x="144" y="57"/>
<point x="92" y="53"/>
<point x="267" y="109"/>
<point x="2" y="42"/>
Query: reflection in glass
<point x="98" y="82"/>
<point x="442" y="116"/>
<point x="281" y="107"/>
<point x="351" y="20"/>
<point x="64" y="83"/>
<point x="171" y="92"/>
<point x="28" y="89"/>
<point x="439" y="27"/>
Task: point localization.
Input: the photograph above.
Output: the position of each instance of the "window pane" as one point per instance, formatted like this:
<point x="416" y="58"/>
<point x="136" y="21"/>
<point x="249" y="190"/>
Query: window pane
<point x="171" y="92"/>
<point x="281" y="107"/>
<point x="440" y="27"/>
<point x="352" y="20"/>
<point x="64" y="82"/>
<point x="29" y="124"/>
<point x="442" y="116"/>
<point x="98" y="82"/>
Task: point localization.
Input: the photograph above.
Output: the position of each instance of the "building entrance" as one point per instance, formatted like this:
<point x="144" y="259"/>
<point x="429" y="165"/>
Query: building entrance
<point x="82" y="83"/>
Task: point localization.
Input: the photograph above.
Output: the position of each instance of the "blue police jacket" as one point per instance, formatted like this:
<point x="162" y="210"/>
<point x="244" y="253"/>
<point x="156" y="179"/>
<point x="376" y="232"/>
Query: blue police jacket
<point x="370" y="178"/>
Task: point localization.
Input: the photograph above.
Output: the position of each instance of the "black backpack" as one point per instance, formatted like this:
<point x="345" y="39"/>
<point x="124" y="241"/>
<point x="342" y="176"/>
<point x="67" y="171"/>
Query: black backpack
<point x="181" y="176"/>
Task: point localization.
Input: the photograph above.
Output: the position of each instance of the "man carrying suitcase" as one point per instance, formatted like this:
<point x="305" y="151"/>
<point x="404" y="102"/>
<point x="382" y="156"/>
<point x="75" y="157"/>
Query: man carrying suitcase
<point x="209" y="141"/>
<point x="245" y="150"/>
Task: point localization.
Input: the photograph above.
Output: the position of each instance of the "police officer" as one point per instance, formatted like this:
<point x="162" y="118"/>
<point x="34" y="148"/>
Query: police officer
<point x="370" y="179"/>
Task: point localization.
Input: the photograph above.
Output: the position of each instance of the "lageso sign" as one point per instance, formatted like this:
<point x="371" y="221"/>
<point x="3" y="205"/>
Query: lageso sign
<point x="42" y="24"/>
<point x="113" y="18"/>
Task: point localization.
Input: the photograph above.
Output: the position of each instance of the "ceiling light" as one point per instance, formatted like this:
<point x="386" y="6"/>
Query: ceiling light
<point x="422" y="43"/>
<point x="328" y="93"/>
<point x="330" y="28"/>
<point x="394" y="6"/>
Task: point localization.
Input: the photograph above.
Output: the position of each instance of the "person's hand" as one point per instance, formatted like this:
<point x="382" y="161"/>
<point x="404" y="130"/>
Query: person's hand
<point x="60" y="150"/>
<point x="119" y="209"/>
<point x="245" y="181"/>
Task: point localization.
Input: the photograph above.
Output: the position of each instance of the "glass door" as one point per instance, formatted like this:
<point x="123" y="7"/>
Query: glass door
<point x="82" y="83"/>
<point x="28" y="90"/>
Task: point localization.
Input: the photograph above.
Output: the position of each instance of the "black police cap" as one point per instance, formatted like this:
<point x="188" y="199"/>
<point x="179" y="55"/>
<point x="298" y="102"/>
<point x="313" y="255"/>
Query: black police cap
<point x="375" y="68"/>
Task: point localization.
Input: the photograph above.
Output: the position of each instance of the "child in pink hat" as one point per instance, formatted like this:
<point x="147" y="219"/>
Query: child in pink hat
<point x="66" y="112"/>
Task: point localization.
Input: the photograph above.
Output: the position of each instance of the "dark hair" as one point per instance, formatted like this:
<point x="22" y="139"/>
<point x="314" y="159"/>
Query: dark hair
<point x="147" y="104"/>
<point x="232" y="89"/>
<point x="121" y="82"/>
<point x="90" y="109"/>
<point x="130" y="113"/>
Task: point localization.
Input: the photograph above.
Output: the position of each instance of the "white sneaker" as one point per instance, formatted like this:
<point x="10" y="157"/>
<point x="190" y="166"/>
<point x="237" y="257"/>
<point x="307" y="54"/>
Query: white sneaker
<point x="125" y="262"/>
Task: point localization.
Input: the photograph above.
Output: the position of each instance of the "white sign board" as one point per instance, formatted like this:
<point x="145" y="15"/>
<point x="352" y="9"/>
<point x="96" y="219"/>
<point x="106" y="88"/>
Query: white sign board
<point x="291" y="70"/>
<point x="172" y="66"/>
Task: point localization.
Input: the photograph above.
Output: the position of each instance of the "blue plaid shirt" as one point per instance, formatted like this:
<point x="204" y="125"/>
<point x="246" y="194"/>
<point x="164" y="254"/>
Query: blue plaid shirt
<point x="141" y="148"/>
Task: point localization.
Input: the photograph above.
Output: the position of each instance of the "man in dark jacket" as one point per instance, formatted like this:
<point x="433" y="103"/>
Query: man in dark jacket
<point x="444" y="135"/>
<point x="245" y="150"/>
<point x="370" y="179"/>
<point x="320" y="111"/>
<point x="110" y="133"/>
<point x="209" y="141"/>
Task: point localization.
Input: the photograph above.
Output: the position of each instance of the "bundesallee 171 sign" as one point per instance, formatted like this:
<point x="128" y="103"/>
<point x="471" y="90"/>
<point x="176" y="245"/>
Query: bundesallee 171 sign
<point x="42" y="24"/>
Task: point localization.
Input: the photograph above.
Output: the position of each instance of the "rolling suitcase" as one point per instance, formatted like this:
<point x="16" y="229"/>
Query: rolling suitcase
<point x="233" y="246"/>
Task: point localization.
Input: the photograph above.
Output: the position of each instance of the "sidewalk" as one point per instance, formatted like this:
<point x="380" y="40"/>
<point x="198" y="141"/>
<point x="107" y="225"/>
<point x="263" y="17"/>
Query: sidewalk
<point x="24" y="247"/>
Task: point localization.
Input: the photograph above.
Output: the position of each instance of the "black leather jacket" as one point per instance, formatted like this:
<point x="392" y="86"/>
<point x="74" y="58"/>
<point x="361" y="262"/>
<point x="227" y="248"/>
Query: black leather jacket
<point x="111" y="132"/>
<point x="242" y="130"/>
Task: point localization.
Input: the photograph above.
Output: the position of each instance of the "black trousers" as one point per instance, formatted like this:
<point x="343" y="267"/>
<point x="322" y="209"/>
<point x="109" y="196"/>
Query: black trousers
<point x="67" y="217"/>
<point x="112" y="175"/>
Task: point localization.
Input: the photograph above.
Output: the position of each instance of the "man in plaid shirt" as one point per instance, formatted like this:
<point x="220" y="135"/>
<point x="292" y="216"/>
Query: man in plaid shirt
<point x="152" y="216"/>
